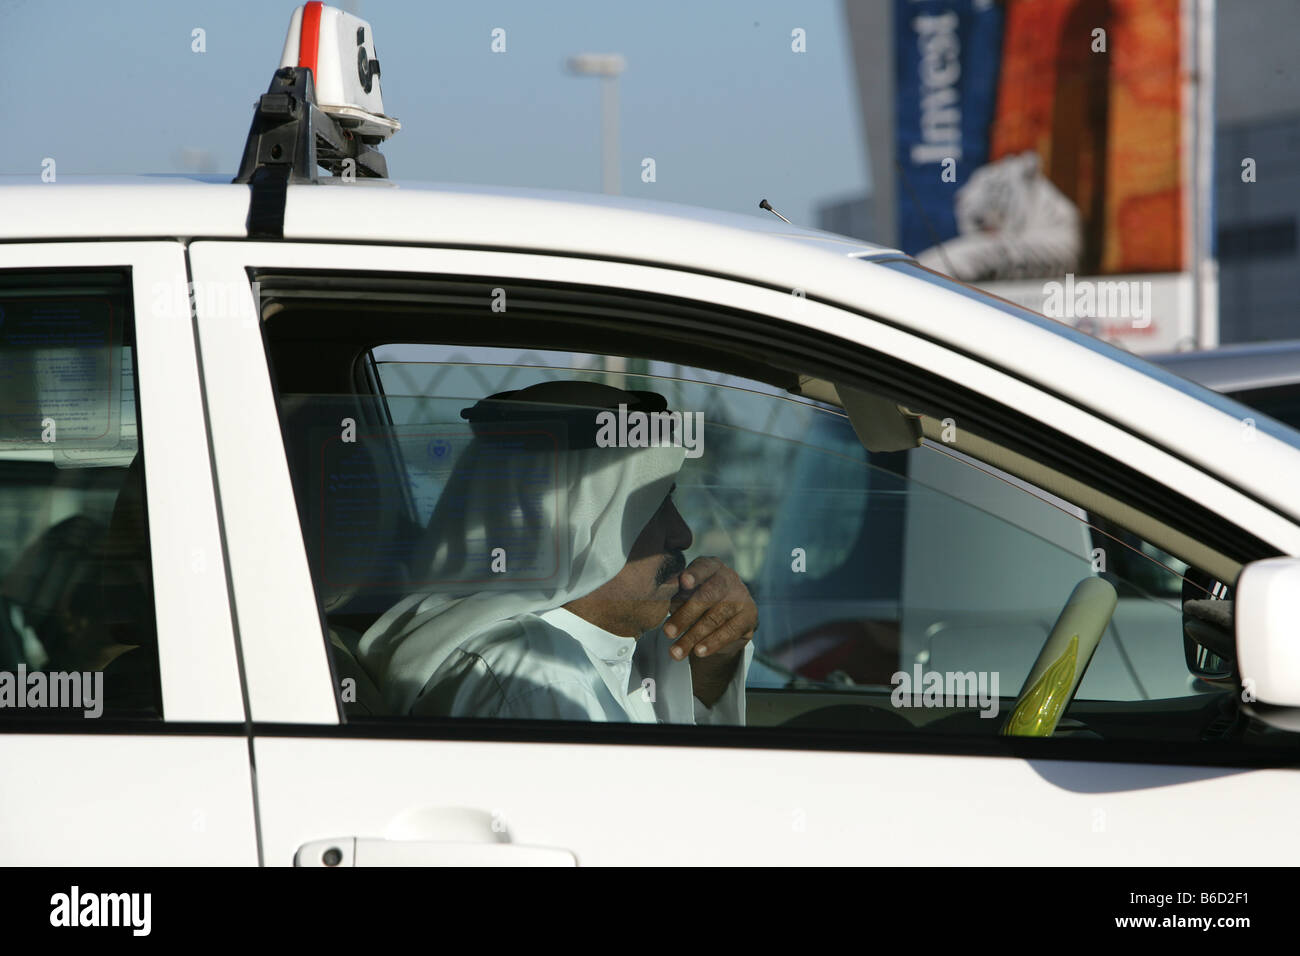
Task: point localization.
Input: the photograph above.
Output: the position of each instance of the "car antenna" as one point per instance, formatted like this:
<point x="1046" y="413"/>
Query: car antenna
<point x="764" y="204"/>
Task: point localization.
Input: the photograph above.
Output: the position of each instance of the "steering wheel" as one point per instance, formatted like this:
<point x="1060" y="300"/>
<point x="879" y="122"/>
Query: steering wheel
<point x="1060" y="666"/>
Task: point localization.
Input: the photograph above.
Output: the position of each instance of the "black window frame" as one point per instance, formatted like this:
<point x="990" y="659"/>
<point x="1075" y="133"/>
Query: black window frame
<point x="561" y="316"/>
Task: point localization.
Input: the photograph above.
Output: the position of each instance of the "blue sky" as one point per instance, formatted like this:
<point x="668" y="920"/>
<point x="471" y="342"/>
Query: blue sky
<point x="712" y="92"/>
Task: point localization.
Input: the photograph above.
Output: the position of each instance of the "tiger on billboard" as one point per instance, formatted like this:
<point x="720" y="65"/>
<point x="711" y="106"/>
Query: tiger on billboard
<point x="1012" y="223"/>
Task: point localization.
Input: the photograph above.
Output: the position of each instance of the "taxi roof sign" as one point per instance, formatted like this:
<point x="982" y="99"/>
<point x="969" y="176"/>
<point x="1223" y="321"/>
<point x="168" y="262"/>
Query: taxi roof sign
<point x="299" y="127"/>
<point x="339" y="49"/>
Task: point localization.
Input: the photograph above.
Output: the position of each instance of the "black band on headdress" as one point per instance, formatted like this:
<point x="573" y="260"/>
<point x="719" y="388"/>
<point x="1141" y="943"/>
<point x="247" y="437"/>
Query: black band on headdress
<point x="499" y="416"/>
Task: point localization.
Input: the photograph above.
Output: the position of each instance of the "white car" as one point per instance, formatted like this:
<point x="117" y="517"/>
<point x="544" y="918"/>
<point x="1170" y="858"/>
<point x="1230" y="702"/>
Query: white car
<point x="916" y="480"/>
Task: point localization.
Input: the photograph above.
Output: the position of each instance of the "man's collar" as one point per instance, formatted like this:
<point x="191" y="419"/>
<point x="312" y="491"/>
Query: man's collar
<point x="596" y="640"/>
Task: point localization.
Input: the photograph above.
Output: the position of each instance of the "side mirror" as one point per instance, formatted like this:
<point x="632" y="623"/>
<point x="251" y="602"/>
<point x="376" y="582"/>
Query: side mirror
<point x="1268" y="641"/>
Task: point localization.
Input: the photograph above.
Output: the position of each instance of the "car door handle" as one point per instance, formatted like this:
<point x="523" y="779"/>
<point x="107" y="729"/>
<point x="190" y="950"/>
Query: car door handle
<point x="363" y="851"/>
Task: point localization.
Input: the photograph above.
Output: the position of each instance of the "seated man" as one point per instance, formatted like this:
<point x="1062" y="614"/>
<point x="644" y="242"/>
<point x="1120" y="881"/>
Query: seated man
<point x="571" y="556"/>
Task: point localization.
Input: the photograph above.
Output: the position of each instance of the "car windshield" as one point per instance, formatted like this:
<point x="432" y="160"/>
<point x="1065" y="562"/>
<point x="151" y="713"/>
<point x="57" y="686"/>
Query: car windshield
<point x="1269" y="426"/>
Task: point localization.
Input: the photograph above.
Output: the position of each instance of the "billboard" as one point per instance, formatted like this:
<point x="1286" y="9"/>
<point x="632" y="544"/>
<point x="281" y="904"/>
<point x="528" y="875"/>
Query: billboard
<point x="1040" y="153"/>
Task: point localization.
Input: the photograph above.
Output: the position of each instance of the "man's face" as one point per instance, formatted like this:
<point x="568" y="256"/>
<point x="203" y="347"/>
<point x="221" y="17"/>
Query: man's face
<point x="638" y="597"/>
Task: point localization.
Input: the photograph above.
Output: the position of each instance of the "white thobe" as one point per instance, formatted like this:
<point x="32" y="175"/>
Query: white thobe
<point x="558" y="666"/>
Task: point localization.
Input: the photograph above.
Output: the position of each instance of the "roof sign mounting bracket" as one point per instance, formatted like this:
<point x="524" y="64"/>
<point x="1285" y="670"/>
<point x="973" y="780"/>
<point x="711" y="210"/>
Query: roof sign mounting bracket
<point x="289" y="139"/>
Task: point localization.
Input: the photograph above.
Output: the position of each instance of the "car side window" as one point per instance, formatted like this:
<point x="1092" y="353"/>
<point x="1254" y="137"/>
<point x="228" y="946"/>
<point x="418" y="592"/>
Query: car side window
<point x="77" y="630"/>
<point x="481" y="550"/>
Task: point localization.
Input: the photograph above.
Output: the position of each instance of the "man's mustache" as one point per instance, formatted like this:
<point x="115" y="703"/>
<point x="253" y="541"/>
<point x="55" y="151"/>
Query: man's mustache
<point x="674" y="564"/>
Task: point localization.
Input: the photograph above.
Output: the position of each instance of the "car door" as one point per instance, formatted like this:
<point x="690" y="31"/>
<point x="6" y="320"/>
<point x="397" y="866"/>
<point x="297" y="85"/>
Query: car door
<point x="122" y="721"/>
<point x="825" y="771"/>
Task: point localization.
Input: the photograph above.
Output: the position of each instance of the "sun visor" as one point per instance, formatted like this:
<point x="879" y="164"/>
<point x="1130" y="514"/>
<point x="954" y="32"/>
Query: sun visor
<point x="881" y="425"/>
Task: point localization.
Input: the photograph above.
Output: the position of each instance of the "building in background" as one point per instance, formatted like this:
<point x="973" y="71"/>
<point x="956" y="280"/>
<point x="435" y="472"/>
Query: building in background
<point x="1257" y="106"/>
<point x="853" y="216"/>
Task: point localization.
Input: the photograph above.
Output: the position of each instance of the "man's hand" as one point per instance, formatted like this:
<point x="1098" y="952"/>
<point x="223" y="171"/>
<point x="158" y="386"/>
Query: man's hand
<point x="713" y="618"/>
<point x="713" y="614"/>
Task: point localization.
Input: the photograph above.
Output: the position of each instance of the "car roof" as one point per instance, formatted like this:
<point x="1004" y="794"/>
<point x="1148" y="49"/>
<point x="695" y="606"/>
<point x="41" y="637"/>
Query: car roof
<point x="187" y="206"/>
<point x="845" y="272"/>
<point x="1235" y="368"/>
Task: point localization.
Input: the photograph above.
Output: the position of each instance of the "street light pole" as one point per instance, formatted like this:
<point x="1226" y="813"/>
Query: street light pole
<point x="607" y="66"/>
<point x="609" y="135"/>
